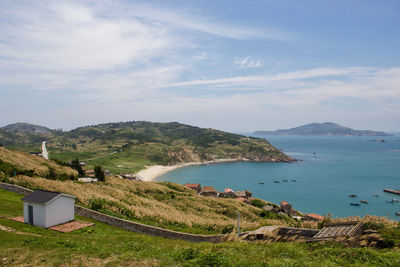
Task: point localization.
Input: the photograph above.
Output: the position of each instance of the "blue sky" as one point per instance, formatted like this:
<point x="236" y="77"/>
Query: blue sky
<point x="231" y="65"/>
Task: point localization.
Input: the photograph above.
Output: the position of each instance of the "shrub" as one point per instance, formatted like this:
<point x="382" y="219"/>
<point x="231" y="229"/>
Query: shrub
<point x="211" y="259"/>
<point x="97" y="203"/>
<point x="99" y="173"/>
<point x="258" y="203"/>
<point x="228" y="229"/>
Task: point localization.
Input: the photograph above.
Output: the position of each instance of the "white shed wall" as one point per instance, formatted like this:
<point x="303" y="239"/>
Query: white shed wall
<point x="39" y="214"/>
<point x="59" y="211"/>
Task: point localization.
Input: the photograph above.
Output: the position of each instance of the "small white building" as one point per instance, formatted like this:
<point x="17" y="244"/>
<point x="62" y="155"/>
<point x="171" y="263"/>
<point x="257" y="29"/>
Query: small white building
<point x="46" y="208"/>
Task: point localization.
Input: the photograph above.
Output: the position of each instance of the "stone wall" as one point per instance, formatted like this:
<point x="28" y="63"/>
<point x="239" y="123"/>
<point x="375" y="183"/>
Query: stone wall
<point x="145" y="229"/>
<point x="125" y="224"/>
<point x="15" y="188"/>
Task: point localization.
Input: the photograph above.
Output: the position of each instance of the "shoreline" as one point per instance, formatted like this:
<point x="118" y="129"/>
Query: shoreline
<point x="152" y="172"/>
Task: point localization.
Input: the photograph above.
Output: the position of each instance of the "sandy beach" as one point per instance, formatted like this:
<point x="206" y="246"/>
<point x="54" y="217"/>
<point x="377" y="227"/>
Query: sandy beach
<point x="152" y="172"/>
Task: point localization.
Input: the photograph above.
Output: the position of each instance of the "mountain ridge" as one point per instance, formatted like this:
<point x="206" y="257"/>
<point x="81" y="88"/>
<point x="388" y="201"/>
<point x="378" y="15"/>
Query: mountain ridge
<point x="326" y="128"/>
<point x="127" y="147"/>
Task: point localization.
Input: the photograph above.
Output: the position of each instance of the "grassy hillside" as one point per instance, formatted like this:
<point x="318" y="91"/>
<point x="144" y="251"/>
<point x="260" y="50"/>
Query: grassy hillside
<point x="104" y="245"/>
<point x="166" y="205"/>
<point x="20" y="163"/>
<point x="130" y="146"/>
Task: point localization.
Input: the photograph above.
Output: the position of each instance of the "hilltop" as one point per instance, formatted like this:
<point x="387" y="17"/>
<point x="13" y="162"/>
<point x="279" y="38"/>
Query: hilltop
<point x="127" y="147"/>
<point x="326" y="128"/>
<point x="22" y="127"/>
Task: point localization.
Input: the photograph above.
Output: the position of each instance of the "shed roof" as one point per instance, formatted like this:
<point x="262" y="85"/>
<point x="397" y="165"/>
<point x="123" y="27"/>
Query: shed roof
<point x="43" y="197"/>
<point x="208" y="189"/>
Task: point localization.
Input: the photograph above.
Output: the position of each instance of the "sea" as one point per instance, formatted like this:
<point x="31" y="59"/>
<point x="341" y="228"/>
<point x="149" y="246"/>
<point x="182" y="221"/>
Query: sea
<point x="328" y="170"/>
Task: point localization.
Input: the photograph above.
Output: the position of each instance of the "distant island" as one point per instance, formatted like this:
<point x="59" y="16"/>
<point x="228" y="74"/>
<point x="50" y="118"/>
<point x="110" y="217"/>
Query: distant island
<point x="326" y="128"/>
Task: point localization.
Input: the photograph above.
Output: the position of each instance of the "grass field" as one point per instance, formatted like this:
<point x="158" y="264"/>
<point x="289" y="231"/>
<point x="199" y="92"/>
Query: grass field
<point x="104" y="245"/>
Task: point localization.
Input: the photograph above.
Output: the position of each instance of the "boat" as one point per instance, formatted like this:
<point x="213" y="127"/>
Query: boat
<point x="364" y="201"/>
<point x="285" y="180"/>
<point x="390" y="201"/>
<point x="293" y="180"/>
<point x="261" y="182"/>
<point x="395" y="200"/>
<point x="354" y="204"/>
<point x="398" y="213"/>
<point x="352" y="195"/>
<point x="375" y="195"/>
<point x="277" y="182"/>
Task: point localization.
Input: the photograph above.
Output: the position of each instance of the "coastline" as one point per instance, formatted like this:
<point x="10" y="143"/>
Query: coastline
<point x="152" y="172"/>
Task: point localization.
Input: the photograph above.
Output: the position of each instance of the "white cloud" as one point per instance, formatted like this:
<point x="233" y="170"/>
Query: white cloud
<point x="248" y="63"/>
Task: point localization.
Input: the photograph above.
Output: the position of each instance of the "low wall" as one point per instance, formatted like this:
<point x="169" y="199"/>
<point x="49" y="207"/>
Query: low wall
<point x="125" y="224"/>
<point x="15" y="188"/>
<point x="145" y="229"/>
<point x="304" y="232"/>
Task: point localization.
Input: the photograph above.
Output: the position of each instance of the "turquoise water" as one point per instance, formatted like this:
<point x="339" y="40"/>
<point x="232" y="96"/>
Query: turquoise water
<point x="330" y="169"/>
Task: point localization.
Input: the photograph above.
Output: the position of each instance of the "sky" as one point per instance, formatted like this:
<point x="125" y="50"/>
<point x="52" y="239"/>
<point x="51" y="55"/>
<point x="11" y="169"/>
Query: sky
<point x="232" y="65"/>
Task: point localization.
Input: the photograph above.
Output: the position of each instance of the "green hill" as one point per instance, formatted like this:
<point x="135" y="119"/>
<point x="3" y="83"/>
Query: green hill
<point x="22" y="127"/>
<point x="130" y="146"/>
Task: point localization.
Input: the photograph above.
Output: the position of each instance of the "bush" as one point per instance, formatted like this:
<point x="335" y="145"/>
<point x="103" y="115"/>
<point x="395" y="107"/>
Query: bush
<point x="228" y="229"/>
<point x="75" y="164"/>
<point x="258" y="203"/>
<point x="99" y="174"/>
<point x="211" y="259"/>
<point x="97" y="203"/>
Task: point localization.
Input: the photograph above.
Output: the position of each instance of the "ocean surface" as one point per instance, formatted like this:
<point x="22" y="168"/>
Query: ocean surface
<point x="329" y="169"/>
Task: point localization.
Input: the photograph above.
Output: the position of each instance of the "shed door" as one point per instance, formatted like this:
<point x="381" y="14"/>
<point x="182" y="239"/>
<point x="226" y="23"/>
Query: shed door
<point x="30" y="214"/>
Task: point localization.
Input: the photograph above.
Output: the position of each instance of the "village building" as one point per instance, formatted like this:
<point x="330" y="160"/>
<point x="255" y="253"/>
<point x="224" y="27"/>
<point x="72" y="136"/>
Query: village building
<point x="47" y="209"/>
<point x="244" y="194"/>
<point x="208" y="191"/>
<point x="229" y="192"/>
<point x="313" y="217"/>
<point x="287" y="208"/>
<point x="195" y="187"/>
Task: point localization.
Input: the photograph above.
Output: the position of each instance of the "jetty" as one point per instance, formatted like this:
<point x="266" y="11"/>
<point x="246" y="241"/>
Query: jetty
<point x="397" y="192"/>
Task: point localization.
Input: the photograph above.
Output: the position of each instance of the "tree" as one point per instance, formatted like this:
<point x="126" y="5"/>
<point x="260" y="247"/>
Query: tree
<point x="77" y="166"/>
<point x="99" y="173"/>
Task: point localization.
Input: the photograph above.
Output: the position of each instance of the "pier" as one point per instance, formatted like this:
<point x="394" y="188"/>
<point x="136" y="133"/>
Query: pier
<point x="397" y="192"/>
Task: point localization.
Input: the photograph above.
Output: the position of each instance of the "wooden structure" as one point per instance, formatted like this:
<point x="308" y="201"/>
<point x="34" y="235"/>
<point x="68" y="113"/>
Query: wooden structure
<point x="208" y="191"/>
<point x="342" y="229"/>
<point x="397" y="192"/>
<point x="195" y="187"/>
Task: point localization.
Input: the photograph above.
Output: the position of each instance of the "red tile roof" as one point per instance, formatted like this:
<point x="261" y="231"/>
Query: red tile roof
<point x="284" y="203"/>
<point x="228" y="190"/>
<point x="208" y="189"/>
<point x="192" y="185"/>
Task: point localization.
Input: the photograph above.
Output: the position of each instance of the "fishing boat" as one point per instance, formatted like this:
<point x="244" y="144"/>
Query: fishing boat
<point x="364" y="201"/>
<point x="285" y="180"/>
<point x="261" y="182"/>
<point x="277" y="182"/>
<point x="293" y="180"/>
<point x="390" y="201"/>
<point x="354" y="204"/>
<point x="398" y="213"/>
<point x="352" y="195"/>
<point x="395" y="200"/>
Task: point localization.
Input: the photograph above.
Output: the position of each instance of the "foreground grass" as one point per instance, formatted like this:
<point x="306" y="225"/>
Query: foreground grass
<point x="104" y="245"/>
